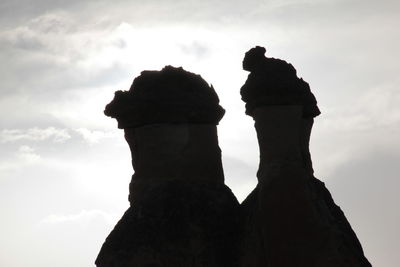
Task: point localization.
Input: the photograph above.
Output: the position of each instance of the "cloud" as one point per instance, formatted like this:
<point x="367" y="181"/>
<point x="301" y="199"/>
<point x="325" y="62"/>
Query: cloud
<point x="28" y="154"/>
<point x="351" y="130"/>
<point x="23" y="157"/>
<point x="84" y="216"/>
<point x="94" y="136"/>
<point x="367" y="190"/>
<point x="195" y="48"/>
<point x="54" y="55"/>
<point x="34" y="134"/>
<point x="239" y="176"/>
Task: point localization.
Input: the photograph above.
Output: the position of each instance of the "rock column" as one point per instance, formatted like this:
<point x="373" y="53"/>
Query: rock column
<point x="181" y="213"/>
<point x="288" y="223"/>
<point x="291" y="219"/>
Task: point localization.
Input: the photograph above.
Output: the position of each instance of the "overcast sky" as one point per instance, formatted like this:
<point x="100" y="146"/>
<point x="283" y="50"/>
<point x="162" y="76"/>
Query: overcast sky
<point x="64" y="166"/>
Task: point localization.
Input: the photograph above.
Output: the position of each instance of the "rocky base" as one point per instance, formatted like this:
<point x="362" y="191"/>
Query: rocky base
<point x="272" y="231"/>
<point x="176" y="224"/>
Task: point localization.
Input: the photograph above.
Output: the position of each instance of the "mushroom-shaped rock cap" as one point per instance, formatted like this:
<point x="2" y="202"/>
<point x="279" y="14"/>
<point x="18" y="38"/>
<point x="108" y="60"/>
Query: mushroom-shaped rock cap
<point x="274" y="82"/>
<point x="171" y="95"/>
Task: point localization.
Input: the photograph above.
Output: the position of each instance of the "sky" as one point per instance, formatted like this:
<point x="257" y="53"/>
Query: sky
<point x="65" y="167"/>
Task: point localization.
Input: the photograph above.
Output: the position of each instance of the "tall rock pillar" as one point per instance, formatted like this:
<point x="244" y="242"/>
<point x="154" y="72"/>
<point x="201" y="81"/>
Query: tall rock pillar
<point x="290" y="217"/>
<point x="181" y="213"/>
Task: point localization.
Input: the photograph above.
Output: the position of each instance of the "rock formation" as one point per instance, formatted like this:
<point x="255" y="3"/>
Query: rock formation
<point x="181" y="213"/>
<point x="291" y="219"/>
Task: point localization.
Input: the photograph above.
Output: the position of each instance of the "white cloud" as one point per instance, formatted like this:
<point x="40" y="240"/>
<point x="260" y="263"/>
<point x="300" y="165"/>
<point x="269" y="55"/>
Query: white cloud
<point x="93" y="137"/>
<point x="24" y="156"/>
<point x="45" y="34"/>
<point x="84" y="216"/>
<point x="28" y="155"/>
<point x="34" y="134"/>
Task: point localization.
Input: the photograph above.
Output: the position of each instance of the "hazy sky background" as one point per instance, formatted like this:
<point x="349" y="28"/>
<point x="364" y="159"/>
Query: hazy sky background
<point x="64" y="166"/>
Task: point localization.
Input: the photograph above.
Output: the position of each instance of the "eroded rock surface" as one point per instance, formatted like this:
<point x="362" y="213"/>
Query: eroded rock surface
<point x="181" y="213"/>
<point x="291" y="219"/>
<point x="176" y="223"/>
<point x="171" y="95"/>
<point x="273" y="81"/>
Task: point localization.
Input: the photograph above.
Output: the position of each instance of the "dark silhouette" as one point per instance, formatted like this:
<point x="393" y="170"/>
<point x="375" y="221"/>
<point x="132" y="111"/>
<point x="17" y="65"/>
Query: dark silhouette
<point x="291" y="219"/>
<point x="181" y="212"/>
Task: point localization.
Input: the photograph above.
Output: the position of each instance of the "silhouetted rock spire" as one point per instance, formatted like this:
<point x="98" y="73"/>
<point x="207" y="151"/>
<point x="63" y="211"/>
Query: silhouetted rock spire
<point x="181" y="213"/>
<point x="290" y="218"/>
